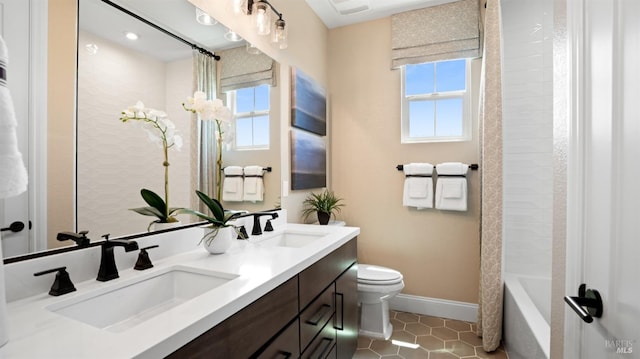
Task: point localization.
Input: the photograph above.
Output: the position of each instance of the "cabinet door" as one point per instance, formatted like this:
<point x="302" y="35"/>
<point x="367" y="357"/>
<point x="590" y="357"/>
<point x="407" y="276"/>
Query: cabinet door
<point x="346" y="319"/>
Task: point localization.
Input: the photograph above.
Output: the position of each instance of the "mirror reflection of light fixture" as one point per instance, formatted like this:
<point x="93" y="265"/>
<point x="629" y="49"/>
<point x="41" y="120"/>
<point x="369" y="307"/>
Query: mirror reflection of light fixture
<point x="232" y="36"/>
<point x="131" y="35"/>
<point x="238" y="6"/>
<point x="204" y="19"/>
<point x="259" y="10"/>
<point x="91" y="48"/>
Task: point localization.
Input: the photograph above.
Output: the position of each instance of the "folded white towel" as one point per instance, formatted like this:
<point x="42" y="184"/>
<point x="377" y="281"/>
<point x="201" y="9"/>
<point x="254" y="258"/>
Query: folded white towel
<point x="451" y="192"/>
<point x="253" y="184"/>
<point x="232" y="184"/>
<point x="13" y="177"/>
<point x="418" y="185"/>
<point x="452" y="168"/>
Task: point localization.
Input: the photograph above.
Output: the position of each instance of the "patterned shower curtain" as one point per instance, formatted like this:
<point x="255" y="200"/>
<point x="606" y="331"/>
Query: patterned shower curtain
<point x="491" y="284"/>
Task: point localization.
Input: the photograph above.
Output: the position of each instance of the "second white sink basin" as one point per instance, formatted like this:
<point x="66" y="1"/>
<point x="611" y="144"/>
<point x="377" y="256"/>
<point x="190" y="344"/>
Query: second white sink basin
<point x="294" y="239"/>
<point x="126" y="306"/>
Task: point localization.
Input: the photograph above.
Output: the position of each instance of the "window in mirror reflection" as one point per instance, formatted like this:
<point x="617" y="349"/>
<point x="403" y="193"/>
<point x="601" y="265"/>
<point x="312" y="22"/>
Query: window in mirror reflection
<point x="250" y="108"/>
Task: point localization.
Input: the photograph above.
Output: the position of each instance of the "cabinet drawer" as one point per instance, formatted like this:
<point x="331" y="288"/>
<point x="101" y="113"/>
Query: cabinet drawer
<point x="318" y="276"/>
<point x="314" y="318"/>
<point x="285" y="346"/>
<point x="323" y="346"/>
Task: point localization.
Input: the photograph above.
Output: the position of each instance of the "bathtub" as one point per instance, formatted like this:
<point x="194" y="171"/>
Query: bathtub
<point x="527" y="308"/>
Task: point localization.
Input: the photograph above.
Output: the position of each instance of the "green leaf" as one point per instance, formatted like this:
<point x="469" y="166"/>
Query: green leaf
<point x="201" y="215"/>
<point x="154" y="201"/>
<point x="214" y="206"/>
<point x="148" y="211"/>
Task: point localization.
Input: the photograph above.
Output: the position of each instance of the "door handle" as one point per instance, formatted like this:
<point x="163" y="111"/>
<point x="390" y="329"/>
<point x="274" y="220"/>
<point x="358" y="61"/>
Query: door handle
<point x="14" y="227"/>
<point x="589" y="298"/>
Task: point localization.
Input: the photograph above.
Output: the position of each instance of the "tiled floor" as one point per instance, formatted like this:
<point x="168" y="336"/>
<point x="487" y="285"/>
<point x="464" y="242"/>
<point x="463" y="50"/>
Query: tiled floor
<point x="424" y="337"/>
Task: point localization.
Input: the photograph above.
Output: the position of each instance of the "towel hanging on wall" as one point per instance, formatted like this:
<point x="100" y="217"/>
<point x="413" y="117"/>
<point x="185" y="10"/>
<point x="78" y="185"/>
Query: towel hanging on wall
<point x="451" y="187"/>
<point x="253" y="184"/>
<point x="418" y="185"/>
<point x="233" y="184"/>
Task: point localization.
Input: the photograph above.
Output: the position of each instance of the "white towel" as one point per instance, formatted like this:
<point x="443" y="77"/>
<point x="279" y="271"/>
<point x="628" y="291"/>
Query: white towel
<point x="13" y="177"/>
<point x="253" y="184"/>
<point x="418" y="191"/>
<point x="232" y="184"/>
<point x="451" y="192"/>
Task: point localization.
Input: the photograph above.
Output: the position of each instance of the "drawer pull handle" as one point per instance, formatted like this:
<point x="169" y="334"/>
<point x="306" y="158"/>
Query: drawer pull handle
<point x="320" y="313"/>
<point x="340" y="312"/>
<point x="325" y="345"/>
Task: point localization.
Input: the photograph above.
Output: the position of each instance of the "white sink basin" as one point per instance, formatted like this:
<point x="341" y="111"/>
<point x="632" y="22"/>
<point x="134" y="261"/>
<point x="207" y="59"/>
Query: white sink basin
<point x="125" y="306"/>
<point x="293" y="239"/>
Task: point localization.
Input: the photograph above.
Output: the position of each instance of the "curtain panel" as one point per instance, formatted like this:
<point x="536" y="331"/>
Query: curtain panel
<point x="443" y="32"/>
<point x="240" y="69"/>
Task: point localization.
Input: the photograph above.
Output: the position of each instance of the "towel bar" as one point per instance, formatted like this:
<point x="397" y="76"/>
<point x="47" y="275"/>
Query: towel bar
<point x="266" y="169"/>
<point x="473" y="166"/>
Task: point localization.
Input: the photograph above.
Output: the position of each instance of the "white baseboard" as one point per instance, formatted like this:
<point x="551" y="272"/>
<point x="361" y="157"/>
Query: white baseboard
<point x="443" y="308"/>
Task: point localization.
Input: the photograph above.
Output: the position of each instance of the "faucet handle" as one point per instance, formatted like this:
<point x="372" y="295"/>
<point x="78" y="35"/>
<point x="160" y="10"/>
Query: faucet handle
<point x="106" y="236"/>
<point x="144" y="262"/>
<point x="268" y="227"/>
<point x="242" y="233"/>
<point x="62" y="284"/>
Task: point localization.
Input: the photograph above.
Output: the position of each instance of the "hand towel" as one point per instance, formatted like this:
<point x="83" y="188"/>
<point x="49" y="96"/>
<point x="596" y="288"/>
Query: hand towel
<point x="418" y="185"/>
<point x="232" y="184"/>
<point x="13" y="177"/>
<point x="451" y="188"/>
<point x="253" y="184"/>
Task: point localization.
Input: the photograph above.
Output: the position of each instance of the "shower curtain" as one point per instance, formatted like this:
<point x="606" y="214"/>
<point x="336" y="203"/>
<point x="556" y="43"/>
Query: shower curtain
<point x="491" y="286"/>
<point x="205" y="77"/>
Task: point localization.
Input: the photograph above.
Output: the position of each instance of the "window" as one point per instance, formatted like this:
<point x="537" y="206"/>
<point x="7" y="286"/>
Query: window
<point x="250" y="107"/>
<point x="435" y="102"/>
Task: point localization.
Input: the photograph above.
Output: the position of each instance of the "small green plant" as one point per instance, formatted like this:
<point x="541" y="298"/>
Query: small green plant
<point x="157" y="208"/>
<point x="219" y="218"/>
<point x="325" y="204"/>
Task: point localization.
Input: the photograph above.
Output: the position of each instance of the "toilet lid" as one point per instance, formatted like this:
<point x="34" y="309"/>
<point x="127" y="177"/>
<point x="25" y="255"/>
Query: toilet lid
<point x="370" y="274"/>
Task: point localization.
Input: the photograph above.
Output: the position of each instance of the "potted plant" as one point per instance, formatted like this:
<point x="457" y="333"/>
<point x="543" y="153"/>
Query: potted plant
<point x="324" y="204"/>
<point x="219" y="233"/>
<point x="158" y="208"/>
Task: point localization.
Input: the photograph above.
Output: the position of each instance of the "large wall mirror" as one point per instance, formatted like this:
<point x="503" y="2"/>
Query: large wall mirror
<point x="115" y="160"/>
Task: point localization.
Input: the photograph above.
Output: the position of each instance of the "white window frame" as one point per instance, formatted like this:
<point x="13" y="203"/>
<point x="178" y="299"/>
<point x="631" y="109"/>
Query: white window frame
<point x="466" y="109"/>
<point x="231" y="100"/>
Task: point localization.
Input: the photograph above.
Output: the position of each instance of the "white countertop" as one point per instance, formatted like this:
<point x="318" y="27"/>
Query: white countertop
<point x="37" y="332"/>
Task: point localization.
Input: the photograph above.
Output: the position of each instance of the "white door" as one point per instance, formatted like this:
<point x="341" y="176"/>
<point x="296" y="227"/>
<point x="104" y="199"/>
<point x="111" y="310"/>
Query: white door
<point x="14" y="27"/>
<point x="603" y="244"/>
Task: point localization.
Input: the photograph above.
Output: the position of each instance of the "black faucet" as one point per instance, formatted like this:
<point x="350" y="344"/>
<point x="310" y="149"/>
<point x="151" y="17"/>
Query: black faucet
<point x="80" y="238"/>
<point x="256" y="231"/>
<point x="108" y="269"/>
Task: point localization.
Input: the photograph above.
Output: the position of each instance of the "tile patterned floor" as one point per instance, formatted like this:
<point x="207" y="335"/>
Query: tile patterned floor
<point x="425" y="337"/>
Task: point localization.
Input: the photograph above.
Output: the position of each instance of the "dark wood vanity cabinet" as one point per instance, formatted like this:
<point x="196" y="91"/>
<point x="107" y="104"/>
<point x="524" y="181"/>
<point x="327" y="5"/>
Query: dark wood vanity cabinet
<point x="312" y="315"/>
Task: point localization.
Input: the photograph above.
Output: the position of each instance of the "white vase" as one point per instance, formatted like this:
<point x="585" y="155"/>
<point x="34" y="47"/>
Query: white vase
<point x="157" y="226"/>
<point x="218" y="240"/>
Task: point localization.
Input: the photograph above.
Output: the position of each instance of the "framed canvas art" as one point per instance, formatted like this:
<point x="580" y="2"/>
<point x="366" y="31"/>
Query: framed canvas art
<point x="308" y="160"/>
<point x="308" y="103"/>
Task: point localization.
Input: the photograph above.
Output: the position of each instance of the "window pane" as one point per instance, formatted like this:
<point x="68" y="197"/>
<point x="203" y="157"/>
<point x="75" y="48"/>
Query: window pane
<point x="262" y="98"/>
<point x="449" y="115"/>
<point x="261" y="131"/>
<point x="419" y="79"/>
<point x="244" y="132"/>
<point x="244" y="100"/>
<point x="450" y="75"/>
<point x="421" y="118"/>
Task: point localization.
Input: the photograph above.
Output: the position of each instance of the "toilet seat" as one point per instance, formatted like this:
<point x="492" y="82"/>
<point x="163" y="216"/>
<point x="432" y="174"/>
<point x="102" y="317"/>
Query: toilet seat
<point x="377" y="275"/>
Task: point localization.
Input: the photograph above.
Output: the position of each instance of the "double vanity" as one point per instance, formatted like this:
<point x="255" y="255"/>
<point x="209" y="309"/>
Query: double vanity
<point x="288" y="293"/>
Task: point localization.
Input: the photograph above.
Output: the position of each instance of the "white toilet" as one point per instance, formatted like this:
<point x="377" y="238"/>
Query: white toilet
<point x="376" y="285"/>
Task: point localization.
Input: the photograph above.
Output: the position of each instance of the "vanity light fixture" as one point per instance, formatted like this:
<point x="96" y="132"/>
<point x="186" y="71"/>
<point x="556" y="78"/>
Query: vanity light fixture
<point x="131" y="35"/>
<point x="259" y="10"/>
<point x="204" y="19"/>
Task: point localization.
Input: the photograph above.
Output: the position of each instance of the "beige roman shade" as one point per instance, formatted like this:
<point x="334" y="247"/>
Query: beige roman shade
<point x="239" y="69"/>
<point x="443" y="32"/>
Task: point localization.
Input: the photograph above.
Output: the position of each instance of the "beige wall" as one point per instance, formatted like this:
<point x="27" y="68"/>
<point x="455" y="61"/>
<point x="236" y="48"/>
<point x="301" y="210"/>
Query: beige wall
<point x="61" y="118"/>
<point x="437" y="251"/>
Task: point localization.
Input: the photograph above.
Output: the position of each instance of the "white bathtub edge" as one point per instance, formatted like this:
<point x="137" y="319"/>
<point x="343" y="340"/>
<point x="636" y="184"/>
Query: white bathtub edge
<point x="443" y="308"/>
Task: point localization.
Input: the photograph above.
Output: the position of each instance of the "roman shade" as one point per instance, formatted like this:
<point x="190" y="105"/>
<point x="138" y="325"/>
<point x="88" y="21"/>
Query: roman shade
<point x="240" y="69"/>
<point x="443" y="32"/>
